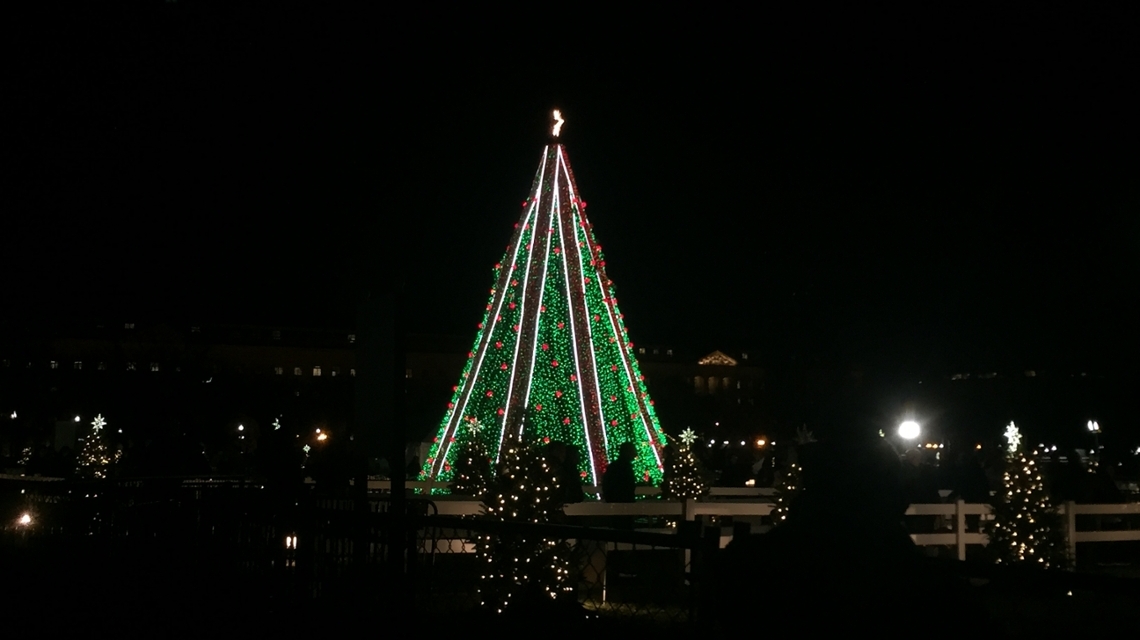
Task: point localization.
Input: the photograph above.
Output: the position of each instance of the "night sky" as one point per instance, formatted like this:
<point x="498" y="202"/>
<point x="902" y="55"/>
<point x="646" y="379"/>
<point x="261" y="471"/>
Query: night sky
<point x="917" y="193"/>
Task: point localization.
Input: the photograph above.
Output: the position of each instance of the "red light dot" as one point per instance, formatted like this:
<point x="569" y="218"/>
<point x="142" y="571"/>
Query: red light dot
<point x="545" y="346"/>
<point x="557" y="394"/>
<point x="490" y="393"/>
<point x="503" y="366"/>
<point x="538" y="407"/>
<point x="566" y="421"/>
<point x="554" y="363"/>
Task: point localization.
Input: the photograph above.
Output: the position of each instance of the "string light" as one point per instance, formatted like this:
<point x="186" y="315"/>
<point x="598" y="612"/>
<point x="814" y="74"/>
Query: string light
<point x="1026" y="527"/>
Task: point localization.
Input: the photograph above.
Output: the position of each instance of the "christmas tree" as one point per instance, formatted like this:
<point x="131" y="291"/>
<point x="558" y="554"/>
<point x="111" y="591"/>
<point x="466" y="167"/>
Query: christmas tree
<point x="683" y="474"/>
<point x="95" y="459"/>
<point x="790" y="479"/>
<point x="1026" y="526"/>
<point x="552" y="344"/>
<point x="522" y="569"/>
<point x="472" y="467"/>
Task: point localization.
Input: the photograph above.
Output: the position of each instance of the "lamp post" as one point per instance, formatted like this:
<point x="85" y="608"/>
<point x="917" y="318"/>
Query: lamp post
<point x="909" y="430"/>
<point x="1094" y="459"/>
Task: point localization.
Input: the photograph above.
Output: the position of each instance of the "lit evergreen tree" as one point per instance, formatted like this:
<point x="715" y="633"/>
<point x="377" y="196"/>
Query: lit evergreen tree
<point x="95" y="458"/>
<point x="789" y="481"/>
<point x="472" y="466"/>
<point x="553" y="343"/>
<point x="520" y="569"/>
<point x="1026" y="527"/>
<point x="683" y="473"/>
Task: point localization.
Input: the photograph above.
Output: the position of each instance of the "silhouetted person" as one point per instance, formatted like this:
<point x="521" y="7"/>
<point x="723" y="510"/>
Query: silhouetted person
<point x="842" y="561"/>
<point x="618" y="483"/>
<point x="569" y="476"/>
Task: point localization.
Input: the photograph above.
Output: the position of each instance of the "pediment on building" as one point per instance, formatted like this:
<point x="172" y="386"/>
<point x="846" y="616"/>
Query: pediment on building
<point x="717" y="358"/>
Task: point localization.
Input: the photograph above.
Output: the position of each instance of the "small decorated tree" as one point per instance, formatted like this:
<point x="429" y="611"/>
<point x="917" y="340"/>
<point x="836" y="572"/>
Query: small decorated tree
<point x="472" y="466"/>
<point x="520" y="570"/>
<point x="95" y="458"/>
<point x="683" y="472"/>
<point x="1026" y="528"/>
<point x="789" y="480"/>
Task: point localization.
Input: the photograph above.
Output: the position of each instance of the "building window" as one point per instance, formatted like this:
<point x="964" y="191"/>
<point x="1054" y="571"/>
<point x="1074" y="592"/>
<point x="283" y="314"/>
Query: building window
<point x="129" y="325"/>
<point x="102" y="366"/>
<point x="744" y="355"/>
<point x="154" y="366"/>
<point x="130" y="366"/>
<point x="352" y="372"/>
<point x="296" y="371"/>
<point x="351" y="338"/>
<point x="668" y="352"/>
<point x="641" y="350"/>
<point x="727" y="384"/>
<point x="739" y="384"/>
<point x="408" y="373"/>
<point x="278" y="370"/>
<point x="699" y="384"/>
<point x="656" y="352"/>
<point x="276" y="335"/>
<point x="332" y="372"/>
<point x="317" y="371"/>
<point x="195" y="329"/>
<point x="78" y="365"/>
<point x="54" y="364"/>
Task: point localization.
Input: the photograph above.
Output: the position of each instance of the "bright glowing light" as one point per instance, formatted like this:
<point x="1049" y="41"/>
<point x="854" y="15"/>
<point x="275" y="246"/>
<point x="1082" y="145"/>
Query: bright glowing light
<point x="98" y="423"/>
<point x="24" y="520"/>
<point x="276" y="424"/>
<point x="557" y="122"/>
<point x="318" y="430"/>
<point x="323" y="437"/>
<point x="688" y="436"/>
<point x="306" y="448"/>
<point x="1013" y="436"/>
<point x="909" y="430"/>
<point x="241" y="427"/>
<point x="13" y="415"/>
<point x="761" y="442"/>
<point x="77" y="418"/>
<point x="1094" y="426"/>
<point x="751" y="482"/>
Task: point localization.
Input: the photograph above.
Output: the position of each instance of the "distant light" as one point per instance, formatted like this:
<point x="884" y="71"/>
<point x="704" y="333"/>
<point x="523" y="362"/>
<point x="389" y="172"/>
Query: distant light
<point x="558" y="122"/>
<point x="76" y="418"/>
<point x="1094" y="426"/>
<point x="726" y="443"/>
<point x="13" y="415"/>
<point x="1054" y="447"/>
<point x="743" y="443"/>
<point x="909" y="430"/>
<point x="978" y="447"/>
<point x="761" y="442"/>
<point x="751" y="482"/>
<point x="318" y="430"/>
<point x="24" y="520"/>
<point x="322" y="437"/>
<point x="241" y="427"/>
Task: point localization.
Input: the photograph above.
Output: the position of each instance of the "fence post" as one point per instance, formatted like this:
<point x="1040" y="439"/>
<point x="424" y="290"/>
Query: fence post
<point x="1071" y="530"/>
<point x="960" y="527"/>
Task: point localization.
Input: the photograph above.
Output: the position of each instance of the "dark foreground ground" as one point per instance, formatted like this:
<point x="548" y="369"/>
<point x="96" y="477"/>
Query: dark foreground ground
<point x="136" y="590"/>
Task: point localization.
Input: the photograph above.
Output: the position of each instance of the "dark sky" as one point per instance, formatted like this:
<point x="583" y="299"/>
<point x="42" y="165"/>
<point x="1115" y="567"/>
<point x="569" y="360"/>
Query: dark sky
<point x="921" y="192"/>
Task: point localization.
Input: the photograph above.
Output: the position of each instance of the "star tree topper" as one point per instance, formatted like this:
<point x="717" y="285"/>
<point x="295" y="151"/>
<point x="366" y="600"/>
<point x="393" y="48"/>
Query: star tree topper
<point x="1013" y="436"/>
<point x="688" y="436"/>
<point x="98" y="423"/>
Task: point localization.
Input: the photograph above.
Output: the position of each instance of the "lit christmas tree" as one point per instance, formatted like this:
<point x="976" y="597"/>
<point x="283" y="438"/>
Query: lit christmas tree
<point x="788" y="484"/>
<point x="552" y="343"/>
<point x="95" y="459"/>
<point x="683" y="474"/>
<point x="522" y="569"/>
<point x="1026" y="526"/>
<point x="472" y="467"/>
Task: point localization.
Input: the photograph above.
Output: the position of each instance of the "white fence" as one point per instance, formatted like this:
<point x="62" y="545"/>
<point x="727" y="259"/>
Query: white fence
<point x="953" y="516"/>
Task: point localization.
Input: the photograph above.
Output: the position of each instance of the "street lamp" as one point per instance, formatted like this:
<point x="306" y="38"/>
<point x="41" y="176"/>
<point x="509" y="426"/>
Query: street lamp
<point x="909" y="430"/>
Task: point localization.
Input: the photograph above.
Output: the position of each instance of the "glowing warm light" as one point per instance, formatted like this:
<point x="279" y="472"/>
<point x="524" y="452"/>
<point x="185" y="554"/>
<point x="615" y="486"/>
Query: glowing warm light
<point x="978" y="447"/>
<point x="241" y="427"/>
<point x="909" y="430"/>
<point x="323" y="437"/>
<point x="77" y="418"/>
<point x="97" y="424"/>
<point x="751" y="482"/>
<point x="1094" y="426"/>
<point x="688" y="436"/>
<point x="557" y="122"/>
<point x="760" y="442"/>
<point x="25" y="520"/>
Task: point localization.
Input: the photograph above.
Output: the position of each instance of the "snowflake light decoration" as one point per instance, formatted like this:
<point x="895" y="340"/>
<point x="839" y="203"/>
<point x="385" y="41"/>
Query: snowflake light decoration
<point x="98" y="423"/>
<point x="688" y="436"/>
<point x="474" y="427"/>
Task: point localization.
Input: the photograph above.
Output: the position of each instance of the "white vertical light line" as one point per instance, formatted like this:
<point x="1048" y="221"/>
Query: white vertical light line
<point x="522" y="309"/>
<point x="541" y="293"/>
<point x="574" y="344"/>
<point x="480" y="354"/>
<point x="589" y="327"/>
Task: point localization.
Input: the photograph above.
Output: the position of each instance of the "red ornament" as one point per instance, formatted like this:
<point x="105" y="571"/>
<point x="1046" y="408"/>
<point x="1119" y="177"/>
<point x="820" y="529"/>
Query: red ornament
<point x="546" y="440"/>
<point x="513" y="283"/>
<point x="435" y="439"/>
<point x="587" y="281"/>
<point x="613" y="423"/>
<point x="503" y="366"/>
<point x="554" y="363"/>
<point x="542" y="308"/>
<point x="455" y="387"/>
<point x="603" y="263"/>
<point x="566" y="421"/>
<point x="488" y="307"/>
<point x="538" y="407"/>
<point x="583" y="474"/>
<point x="511" y="305"/>
<point x="647" y="476"/>
<point x="545" y="346"/>
<point x="523" y="204"/>
<point x="451" y="440"/>
<point x="592" y="263"/>
<point x="613" y="398"/>
<point x="557" y="394"/>
<point x="651" y="403"/>
<point x="613" y="339"/>
<point x="573" y="377"/>
<point x="515" y="327"/>
<point x="490" y="393"/>
<point x="498" y="265"/>
<point x="470" y="354"/>
<point x="597" y="317"/>
<point x="560" y="325"/>
<point x="557" y="250"/>
<point x="498" y="345"/>
<point x="613" y="368"/>
<point x="500" y="411"/>
<point x="583" y="203"/>
<point x="450" y="405"/>
<point x="479" y="326"/>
